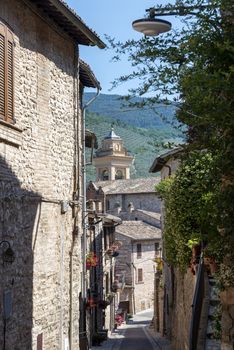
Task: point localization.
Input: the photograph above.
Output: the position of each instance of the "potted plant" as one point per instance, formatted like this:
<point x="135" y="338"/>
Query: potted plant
<point x="110" y="297"/>
<point x="195" y="245"/>
<point x="159" y="266"/>
<point x="91" y="260"/>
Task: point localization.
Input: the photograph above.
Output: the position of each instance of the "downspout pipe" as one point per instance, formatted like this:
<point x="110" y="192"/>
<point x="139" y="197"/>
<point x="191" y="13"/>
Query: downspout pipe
<point x="84" y="212"/>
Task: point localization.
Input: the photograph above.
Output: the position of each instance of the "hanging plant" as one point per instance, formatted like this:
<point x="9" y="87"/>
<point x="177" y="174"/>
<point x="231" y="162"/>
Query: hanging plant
<point x="91" y="302"/>
<point x="91" y="260"/>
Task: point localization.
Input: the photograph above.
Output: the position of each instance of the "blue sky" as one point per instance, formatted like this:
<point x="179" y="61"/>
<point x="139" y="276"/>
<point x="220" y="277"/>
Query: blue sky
<point x="112" y="17"/>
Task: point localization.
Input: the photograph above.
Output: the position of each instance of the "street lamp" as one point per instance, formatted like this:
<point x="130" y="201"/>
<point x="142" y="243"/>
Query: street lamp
<point x="152" y="26"/>
<point x="8" y="255"/>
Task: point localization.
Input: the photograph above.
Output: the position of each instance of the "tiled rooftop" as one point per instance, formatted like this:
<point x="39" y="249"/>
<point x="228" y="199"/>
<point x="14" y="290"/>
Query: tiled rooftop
<point x="138" y="230"/>
<point x="144" y="185"/>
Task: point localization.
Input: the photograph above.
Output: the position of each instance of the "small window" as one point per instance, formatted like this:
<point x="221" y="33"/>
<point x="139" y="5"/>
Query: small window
<point x="139" y="251"/>
<point x="139" y="275"/>
<point x="156" y="248"/>
<point x="119" y="175"/>
<point x="105" y="175"/>
<point x="6" y="74"/>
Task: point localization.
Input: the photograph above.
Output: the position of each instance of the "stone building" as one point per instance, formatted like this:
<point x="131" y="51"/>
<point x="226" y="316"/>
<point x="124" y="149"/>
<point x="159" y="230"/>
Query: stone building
<point x="125" y="196"/>
<point x="135" y="265"/>
<point x="102" y="248"/>
<point x="167" y="163"/>
<point x="135" y="201"/>
<point x="41" y="85"/>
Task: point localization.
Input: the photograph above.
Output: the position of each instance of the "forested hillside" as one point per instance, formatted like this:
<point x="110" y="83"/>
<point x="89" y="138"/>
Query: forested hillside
<point x="144" y="143"/>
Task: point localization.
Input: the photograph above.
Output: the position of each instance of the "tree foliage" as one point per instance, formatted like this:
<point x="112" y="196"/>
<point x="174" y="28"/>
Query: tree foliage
<point x="193" y="67"/>
<point x="191" y="213"/>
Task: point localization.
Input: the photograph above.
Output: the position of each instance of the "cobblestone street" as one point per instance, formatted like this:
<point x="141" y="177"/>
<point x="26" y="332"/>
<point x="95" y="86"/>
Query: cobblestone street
<point x="136" y="335"/>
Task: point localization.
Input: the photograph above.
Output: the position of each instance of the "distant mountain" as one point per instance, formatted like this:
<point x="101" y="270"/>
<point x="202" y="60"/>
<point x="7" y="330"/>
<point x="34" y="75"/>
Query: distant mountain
<point x="142" y="131"/>
<point x="112" y="106"/>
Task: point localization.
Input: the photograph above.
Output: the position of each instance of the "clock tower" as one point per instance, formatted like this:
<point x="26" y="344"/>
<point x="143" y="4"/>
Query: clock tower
<point x="112" y="161"/>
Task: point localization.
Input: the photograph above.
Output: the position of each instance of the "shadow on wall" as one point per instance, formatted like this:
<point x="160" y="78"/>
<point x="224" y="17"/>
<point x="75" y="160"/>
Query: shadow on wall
<point x="19" y="217"/>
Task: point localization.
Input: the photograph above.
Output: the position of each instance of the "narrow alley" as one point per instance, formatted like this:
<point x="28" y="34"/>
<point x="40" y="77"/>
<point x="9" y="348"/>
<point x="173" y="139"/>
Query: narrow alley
<point x="136" y="334"/>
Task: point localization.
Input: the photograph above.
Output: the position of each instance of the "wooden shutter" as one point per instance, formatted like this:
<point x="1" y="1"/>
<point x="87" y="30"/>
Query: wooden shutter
<point x="10" y="111"/>
<point x="139" y="252"/>
<point x="6" y="74"/>
<point x="2" y="72"/>
<point x="140" y="275"/>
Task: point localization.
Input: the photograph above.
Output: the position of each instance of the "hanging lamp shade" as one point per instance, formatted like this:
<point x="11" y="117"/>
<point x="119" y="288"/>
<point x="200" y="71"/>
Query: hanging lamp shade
<point x="151" y="26"/>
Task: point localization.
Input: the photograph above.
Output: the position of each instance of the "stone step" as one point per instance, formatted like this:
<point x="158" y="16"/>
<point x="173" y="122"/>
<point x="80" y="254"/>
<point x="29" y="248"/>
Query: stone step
<point x="210" y="327"/>
<point x="212" y="344"/>
<point x="211" y="281"/>
<point x="214" y="292"/>
<point x="214" y="303"/>
<point x="212" y="310"/>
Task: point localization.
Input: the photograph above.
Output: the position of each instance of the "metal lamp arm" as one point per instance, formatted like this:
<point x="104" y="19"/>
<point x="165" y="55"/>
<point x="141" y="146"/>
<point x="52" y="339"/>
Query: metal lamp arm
<point x="175" y="10"/>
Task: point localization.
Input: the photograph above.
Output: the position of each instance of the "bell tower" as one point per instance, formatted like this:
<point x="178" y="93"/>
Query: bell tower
<point x="112" y="161"/>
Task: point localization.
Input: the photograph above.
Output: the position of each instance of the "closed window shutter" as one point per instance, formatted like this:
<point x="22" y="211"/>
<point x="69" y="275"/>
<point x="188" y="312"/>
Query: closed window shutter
<point x="6" y="74"/>
<point x="2" y="72"/>
<point x="140" y="275"/>
<point x="10" y="112"/>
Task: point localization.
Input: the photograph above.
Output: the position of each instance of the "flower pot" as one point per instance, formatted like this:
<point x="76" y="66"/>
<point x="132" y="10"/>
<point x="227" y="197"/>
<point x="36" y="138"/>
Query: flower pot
<point x="210" y="265"/>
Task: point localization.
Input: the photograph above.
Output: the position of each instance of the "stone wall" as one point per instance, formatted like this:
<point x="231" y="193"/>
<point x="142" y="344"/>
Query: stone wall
<point x="141" y="215"/>
<point x="127" y="264"/>
<point x="144" y="291"/>
<point x="179" y="309"/>
<point x="146" y="201"/>
<point x="227" y="322"/>
<point x="37" y="164"/>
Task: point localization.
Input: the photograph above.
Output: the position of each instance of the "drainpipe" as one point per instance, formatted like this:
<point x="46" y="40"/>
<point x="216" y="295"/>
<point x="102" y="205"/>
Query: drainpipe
<point x="84" y="214"/>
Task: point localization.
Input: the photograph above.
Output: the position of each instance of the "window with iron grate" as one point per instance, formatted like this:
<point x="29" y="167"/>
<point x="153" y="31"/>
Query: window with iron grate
<point x="6" y="74"/>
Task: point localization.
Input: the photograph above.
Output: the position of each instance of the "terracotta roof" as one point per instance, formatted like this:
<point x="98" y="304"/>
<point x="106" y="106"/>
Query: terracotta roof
<point x="139" y="230"/>
<point x="161" y="160"/>
<point x="67" y="19"/>
<point x="143" y="185"/>
<point x="87" y="76"/>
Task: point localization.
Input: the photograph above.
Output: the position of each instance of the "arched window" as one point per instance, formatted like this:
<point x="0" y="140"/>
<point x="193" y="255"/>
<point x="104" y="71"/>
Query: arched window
<point x="6" y="74"/>
<point x="118" y="175"/>
<point x="105" y="175"/>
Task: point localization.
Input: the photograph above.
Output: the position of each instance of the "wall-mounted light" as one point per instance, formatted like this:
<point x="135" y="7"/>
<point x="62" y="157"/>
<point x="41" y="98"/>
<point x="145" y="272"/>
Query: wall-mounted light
<point x="152" y="26"/>
<point x="8" y="255"/>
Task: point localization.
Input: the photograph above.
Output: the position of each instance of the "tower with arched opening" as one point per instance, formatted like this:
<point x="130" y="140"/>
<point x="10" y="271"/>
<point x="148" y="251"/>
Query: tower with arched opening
<point x="112" y="161"/>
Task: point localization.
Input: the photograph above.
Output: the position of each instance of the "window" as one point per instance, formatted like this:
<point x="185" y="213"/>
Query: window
<point x="156" y="248"/>
<point x="6" y="74"/>
<point x="105" y="175"/>
<point x="119" y="175"/>
<point x="139" y="275"/>
<point x="139" y="251"/>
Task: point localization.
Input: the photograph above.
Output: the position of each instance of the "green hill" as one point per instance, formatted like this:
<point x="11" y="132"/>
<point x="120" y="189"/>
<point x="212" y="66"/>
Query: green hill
<point x="111" y="105"/>
<point x="144" y="143"/>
